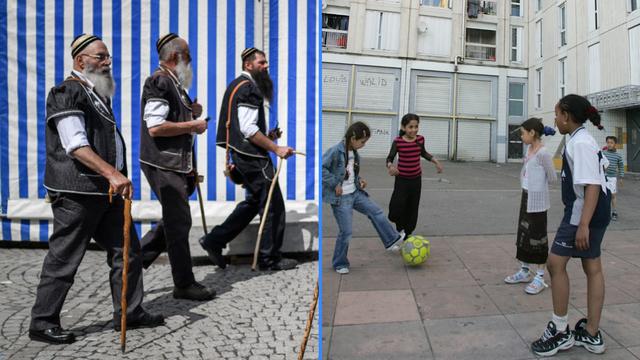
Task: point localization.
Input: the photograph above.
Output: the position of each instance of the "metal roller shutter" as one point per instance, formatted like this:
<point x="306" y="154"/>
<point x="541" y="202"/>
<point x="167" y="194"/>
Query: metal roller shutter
<point x="469" y="101"/>
<point x="375" y="91"/>
<point x="474" y="140"/>
<point x="382" y="132"/>
<point x="436" y="135"/>
<point x="335" y="88"/>
<point x="333" y="129"/>
<point x="433" y="95"/>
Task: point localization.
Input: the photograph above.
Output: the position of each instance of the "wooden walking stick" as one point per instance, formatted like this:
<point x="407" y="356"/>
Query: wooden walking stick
<point x="307" y="329"/>
<point x="265" y="213"/>
<point x="125" y="270"/>
<point x="199" y="179"/>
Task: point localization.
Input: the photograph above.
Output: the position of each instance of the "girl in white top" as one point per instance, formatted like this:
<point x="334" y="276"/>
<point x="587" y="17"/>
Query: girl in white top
<point x="536" y="174"/>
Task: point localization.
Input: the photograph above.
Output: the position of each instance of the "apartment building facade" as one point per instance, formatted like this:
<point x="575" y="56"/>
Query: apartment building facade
<point x="460" y="65"/>
<point x="474" y="70"/>
<point x="592" y="48"/>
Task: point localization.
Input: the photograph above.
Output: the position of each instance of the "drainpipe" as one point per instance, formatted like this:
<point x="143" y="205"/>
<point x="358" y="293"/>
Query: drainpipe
<point x="459" y="59"/>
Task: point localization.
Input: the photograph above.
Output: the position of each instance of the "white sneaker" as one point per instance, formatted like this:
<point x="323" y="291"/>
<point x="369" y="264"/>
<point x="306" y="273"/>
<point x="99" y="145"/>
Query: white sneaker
<point x="521" y="276"/>
<point x="395" y="247"/>
<point x="343" y="270"/>
<point x="536" y="286"/>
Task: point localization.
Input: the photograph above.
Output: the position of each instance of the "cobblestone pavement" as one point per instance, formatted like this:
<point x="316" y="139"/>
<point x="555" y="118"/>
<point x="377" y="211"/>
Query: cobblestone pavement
<point x="256" y="315"/>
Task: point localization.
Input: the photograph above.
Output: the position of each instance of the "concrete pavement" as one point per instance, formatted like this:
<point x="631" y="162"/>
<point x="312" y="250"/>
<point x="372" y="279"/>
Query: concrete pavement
<point x="456" y="306"/>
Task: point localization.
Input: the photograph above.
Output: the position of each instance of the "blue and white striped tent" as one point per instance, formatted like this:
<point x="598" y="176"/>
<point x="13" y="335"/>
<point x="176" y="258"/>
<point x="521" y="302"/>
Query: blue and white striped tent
<point x="34" y="55"/>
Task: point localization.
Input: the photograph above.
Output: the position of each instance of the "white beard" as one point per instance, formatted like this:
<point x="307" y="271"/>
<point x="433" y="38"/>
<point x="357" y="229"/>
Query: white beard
<point x="103" y="83"/>
<point x="184" y="72"/>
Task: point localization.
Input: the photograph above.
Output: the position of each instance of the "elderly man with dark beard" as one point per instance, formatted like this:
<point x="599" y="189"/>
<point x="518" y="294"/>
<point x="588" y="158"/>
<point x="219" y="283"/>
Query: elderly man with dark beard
<point x="168" y="123"/>
<point x="250" y="147"/>
<point x="85" y="159"/>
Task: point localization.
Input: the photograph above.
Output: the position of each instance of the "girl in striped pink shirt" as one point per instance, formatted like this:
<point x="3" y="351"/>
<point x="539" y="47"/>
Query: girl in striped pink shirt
<point x="405" y="200"/>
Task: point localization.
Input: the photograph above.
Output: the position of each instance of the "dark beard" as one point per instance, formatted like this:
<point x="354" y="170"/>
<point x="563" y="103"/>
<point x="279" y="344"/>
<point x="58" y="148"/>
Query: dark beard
<point x="264" y="83"/>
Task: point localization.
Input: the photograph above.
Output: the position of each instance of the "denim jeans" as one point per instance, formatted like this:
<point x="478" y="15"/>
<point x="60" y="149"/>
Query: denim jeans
<point x="343" y="212"/>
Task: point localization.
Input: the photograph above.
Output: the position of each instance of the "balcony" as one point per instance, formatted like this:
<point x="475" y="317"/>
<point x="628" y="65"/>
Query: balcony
<point x="480" y="52"/>
<point x="334" y="38"/>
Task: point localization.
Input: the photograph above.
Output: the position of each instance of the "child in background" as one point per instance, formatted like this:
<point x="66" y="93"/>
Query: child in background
<point x="615" y="172"/>
<point x="587" y="202"/>
<point x="343" y="188"/>
<point x="405" y="200"/>
<point x="532" y="242"/>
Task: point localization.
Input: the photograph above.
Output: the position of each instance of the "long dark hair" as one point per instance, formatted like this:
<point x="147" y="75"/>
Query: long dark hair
<point x="357" y="130"/>
<point x="580" y="109"/>
<point x="406" y="119"/>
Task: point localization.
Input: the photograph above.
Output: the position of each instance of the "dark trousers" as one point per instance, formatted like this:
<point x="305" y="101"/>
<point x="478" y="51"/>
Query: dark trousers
<point x="257" y="189"/>
<point x="404" y="204"/>
<point x="76" y="219"/>
<point x="172" y="232"/>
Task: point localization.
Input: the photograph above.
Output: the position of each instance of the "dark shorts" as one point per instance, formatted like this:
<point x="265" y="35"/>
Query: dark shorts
<point x="565" y="242"/>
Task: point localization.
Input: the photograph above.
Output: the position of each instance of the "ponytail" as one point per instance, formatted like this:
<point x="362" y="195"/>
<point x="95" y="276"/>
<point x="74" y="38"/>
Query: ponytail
<point x="581" y="110"/>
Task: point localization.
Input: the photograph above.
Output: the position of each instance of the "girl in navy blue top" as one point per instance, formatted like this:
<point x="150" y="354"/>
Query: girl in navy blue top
<point x="586" y="215"/>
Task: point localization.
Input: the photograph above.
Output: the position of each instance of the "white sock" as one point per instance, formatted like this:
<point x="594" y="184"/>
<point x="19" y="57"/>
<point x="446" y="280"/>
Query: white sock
<point x="560" y="322"/>
<point x="540" y="273"/>
<point x="524" y="266"/>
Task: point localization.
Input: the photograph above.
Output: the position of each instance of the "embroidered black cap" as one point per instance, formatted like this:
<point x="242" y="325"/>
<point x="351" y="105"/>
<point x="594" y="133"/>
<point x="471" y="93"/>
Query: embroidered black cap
<point x="164" y="40"/>
<point x="81" y="42"/>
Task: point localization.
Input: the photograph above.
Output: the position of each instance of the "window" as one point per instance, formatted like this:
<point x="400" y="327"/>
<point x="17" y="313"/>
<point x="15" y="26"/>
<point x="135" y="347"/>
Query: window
<point x="594" y="68"/>
<point x="634" y="54"/>
<point x="563" y="24"/>
<point x="436" y="40"/>
<point x="382" y="30"/>
<point x="594" y="23"/>
<point x="539" y="88"/>
<point x="562" y="77"/>
<point x="437" y="3"/>
<point x="538" y="5"/>
<point x="516" y="44"/>
<point x="633" y="5"/>
<point x="516" y="99"/>
<point x="516" y="8"/>
<point x="539" y="38"/>
<point x="334" y="30"/>
<point x="481" y="44"/>
<point x="475" y="7"/>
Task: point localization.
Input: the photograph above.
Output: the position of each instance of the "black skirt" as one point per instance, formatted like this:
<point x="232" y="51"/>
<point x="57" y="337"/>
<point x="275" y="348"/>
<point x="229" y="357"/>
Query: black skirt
<point x="532" y="242"/>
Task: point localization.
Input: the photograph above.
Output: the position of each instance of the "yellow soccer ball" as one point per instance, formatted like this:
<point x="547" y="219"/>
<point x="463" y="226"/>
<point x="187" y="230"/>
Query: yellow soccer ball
<point x="415" y="250"/>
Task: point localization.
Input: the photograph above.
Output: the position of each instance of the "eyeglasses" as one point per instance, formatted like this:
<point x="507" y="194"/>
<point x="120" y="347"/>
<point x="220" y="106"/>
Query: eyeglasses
<point x="99" y="57"/>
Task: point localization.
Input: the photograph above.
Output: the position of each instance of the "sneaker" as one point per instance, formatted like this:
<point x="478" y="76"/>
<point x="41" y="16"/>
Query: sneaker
<point x="614" y="216"/>
<point x="553" y="341"/>
<point x="594" y="344"/>
<point x="398" y="243"/>
<point x="343" y="270"/>
<point x="536" y="286"/>
<point x="522" y="276"/>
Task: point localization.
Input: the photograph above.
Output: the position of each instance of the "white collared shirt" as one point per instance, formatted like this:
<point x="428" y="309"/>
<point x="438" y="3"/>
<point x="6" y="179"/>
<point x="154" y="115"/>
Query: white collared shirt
<point x="73" y="135"/>
<point x="248" y="116"/>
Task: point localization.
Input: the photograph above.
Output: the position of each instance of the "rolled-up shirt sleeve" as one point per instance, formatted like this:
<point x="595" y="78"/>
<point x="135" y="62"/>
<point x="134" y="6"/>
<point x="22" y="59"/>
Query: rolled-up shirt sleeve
<point x="248" y="120"/>
<point x="72" y="133"/>
<point x="155" y="113"/>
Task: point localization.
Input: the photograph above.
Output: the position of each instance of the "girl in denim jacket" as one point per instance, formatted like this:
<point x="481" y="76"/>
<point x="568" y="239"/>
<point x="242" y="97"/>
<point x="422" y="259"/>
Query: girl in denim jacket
<point x="343" y="189"/>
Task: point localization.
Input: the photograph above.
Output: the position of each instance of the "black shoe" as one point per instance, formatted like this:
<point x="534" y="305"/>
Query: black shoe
<point x="553" y="341"/>
<point x="147" y="320"/>
<point x="594" y="344"/>
<point x="282" y="264"/>
<point x="214" y="253"/>
<point x="52" y="336"/>
<point x="194" y="291"/>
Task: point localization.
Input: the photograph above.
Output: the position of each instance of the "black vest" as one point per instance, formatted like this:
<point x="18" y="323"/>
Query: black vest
<point x="246" y="95"/>
<point x="173" y="153"/>
<point x="62" y="172"/>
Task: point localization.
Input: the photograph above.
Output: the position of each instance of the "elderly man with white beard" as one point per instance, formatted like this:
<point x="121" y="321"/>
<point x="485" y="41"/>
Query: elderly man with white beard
<point x="85" y="159"/>
<point x="169" y="123"/>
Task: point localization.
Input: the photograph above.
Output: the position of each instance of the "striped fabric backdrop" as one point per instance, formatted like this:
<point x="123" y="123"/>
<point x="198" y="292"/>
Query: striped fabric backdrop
<point x="34" y="55"/>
